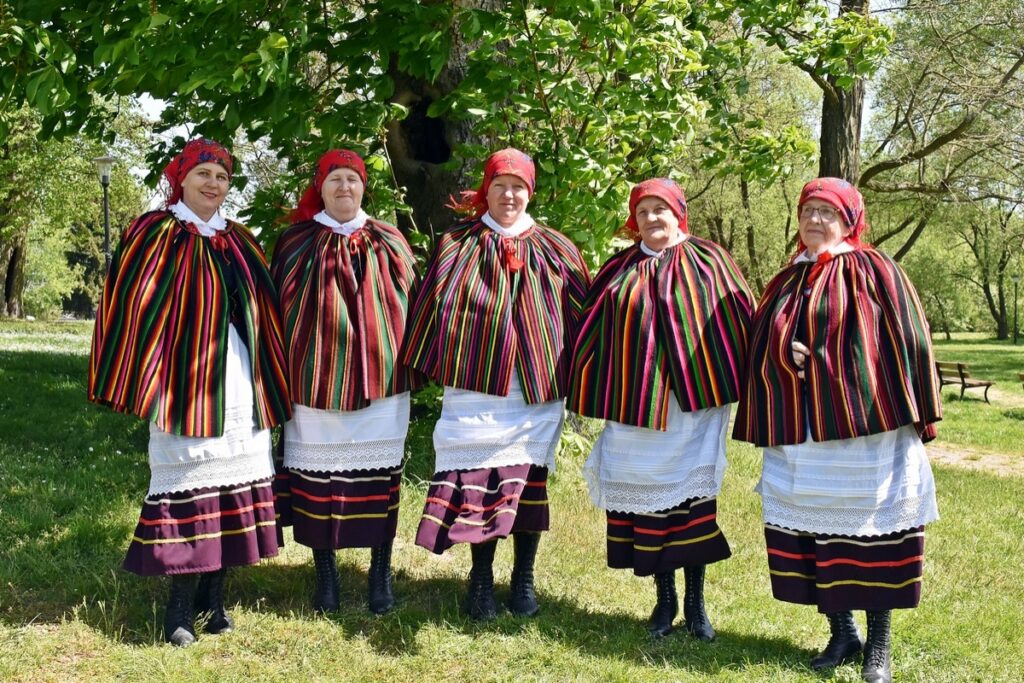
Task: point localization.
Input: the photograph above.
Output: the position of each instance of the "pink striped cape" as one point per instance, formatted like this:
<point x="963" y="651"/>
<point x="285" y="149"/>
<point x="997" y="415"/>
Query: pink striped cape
<point x="344" y="302"/>
<point x="658" y="327"/>
<point x="489" y="305"/>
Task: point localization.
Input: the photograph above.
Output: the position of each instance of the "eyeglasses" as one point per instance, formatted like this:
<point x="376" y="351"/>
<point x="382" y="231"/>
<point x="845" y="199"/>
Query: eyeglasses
<point x="825" y="213"/>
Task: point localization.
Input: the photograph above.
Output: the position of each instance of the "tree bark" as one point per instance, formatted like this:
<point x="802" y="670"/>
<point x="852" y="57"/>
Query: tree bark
<point x="841" y="115"/>
<point x="12" y="272"/>
<point x="419" y="144"/>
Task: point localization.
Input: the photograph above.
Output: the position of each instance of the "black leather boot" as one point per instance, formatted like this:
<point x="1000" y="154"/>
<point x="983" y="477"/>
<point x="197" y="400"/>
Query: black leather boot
<point x="667" y="607"/>
<point x="697" y="623"/>
<point x="843" y="645"/>
<point x="326" y="599"/>
<point x="209" y="602"/>
<point x="179" y="619"/>
<point x="380" y="596"/>
<point x="522" y="600"/>
<point x="877" y="660"/>
<point x="480" y="602"/>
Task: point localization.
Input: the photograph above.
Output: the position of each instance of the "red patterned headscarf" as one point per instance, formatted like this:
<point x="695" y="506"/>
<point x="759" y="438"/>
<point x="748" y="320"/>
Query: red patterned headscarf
<point x="198" y="151"/>
<point x="312" y="201"/>
<point x="844" y="197"/>
<point x="508" y="161"/>
<point x="664" y="189"/>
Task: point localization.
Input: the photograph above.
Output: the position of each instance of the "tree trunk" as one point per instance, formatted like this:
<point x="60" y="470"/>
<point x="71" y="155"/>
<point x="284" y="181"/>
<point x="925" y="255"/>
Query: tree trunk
<point x="419" y="144"/>
<point x="12" y="274"/>
<point x="841" y="114"/>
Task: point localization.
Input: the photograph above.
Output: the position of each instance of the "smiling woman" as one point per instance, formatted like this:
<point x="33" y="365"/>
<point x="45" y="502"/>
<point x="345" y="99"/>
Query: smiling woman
<point x="494" y="323"/>
<point x="345" y="280"/>
<point x="841" y="392"/>
<point x="188" y="337"/>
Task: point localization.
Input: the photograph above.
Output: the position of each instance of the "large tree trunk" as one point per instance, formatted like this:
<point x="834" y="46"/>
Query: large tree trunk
<point x="419" y="144"/>
<point x="12" y="274"/>
<point x="841" y="114"/>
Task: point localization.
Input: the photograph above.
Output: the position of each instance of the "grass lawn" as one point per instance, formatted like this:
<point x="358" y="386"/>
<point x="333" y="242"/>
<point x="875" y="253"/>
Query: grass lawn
<point x="971" y="423"/>
<point x="72" y="477"/>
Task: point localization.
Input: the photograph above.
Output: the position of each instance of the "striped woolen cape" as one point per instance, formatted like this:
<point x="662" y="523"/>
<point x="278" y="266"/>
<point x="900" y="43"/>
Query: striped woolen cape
<point x="654" y="327"/>
<point x="344" y="302"/>
<point x="871" y="367"/>
<point x="159" y="348"/>
<point x="490" y="304"/>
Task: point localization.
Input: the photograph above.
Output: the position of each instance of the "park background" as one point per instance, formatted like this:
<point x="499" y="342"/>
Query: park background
<point x="918" y="102"/>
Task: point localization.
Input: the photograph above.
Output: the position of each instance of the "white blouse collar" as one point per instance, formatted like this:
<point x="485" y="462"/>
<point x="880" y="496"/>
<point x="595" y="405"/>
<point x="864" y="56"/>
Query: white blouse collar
<point x="657" y="254"/>
<point x="346" y="228"/>
<point x="841" y="248"/>
<point x="522" y="224"/>
<point x="206" y="228"/>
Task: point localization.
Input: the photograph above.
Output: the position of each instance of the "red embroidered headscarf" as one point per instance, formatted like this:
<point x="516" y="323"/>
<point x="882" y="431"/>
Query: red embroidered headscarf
<point x="664" y="189"/>
<point x="844" y="197"/>
<point x="508" y="161"/>
<point x="312" y="201"/>
<point x="198" y="151"/>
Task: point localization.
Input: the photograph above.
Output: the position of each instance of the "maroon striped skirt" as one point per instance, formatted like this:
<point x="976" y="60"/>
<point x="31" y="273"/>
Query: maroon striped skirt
<point x="351" y="509"/>
<point x="842" y="573"/>
<point x="476" y="506"/>
<point x="204" y="530"/>
<point x="652" y="543"/>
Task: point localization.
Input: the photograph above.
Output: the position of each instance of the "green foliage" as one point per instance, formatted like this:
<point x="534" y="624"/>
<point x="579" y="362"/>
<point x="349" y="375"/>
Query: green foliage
<point x="602" y="94"/>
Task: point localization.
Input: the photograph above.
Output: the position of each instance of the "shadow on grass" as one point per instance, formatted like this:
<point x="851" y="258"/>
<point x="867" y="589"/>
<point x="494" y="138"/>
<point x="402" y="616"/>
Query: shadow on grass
<point x="129" y="609"/>
<point x="74" y="475"/>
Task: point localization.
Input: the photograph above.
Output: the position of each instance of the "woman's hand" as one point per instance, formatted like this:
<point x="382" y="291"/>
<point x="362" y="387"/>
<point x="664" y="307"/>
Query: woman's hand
<point x="800" y="354"/>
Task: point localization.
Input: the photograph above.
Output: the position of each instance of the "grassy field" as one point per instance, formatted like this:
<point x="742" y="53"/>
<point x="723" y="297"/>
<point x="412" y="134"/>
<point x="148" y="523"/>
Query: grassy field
<point x="72" y="477"/>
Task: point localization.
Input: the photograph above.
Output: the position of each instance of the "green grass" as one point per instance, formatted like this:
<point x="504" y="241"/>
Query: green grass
<point x="72" y="477"/>
<point x="970" y="422"/>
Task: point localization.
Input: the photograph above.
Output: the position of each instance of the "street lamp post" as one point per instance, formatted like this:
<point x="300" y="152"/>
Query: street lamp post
<point x="103" y="166"/>
<point x="1016" y="281"/>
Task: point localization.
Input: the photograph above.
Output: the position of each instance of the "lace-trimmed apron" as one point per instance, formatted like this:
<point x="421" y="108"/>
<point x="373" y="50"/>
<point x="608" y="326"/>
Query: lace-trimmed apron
<point x="659" y="490"/>
<point x="345" y="470"/>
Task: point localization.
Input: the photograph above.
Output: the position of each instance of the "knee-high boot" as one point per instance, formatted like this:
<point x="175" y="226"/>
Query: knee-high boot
<point x="523" y="599"/>
<point x="380" y="596"/>
<point x="179" y="619"/>
<point x="326" y="598"/>
<point x="697" y="622"/>
<point x="209" y="602"/>
<point x="667" y="607"/>
<point x="844" y="643"/>
<point x="877" y="658"/>
<point x="480" y="602"/>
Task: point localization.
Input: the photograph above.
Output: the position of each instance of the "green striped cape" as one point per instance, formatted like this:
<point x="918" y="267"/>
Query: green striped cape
<point x="344" y="302"/>
<point x="160" y="342"/>
<point x="489" y="305"/>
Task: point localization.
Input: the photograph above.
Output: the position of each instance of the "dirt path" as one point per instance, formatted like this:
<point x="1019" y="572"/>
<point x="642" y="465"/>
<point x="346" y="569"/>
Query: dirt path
<point x="996" y="463"/>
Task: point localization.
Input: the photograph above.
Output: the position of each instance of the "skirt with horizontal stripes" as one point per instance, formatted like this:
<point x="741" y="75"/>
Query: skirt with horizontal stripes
<point x="842" y="573"/>
<point x="351" y="509"/>
<point x="476" y="506"/>
<point x="204" y="530"/>
<point x="686" y="535"/>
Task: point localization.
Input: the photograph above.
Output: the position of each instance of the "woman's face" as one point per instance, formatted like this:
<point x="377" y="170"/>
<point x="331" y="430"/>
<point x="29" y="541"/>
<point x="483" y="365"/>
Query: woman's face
<point x="204" y="189"/>
<point x="342" y="193"/>
<point x="821" y="226"/>
<point x="507" y="198"/>
<point x="658" y="225"/>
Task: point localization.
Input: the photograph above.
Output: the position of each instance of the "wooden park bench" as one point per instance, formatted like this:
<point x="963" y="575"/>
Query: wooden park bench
<point x="958" y="373"/>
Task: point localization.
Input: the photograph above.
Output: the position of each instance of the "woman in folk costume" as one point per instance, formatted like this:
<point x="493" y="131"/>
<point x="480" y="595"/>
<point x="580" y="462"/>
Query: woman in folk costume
<point x="494" y="322"/>
<point x="660" y="356"/>
<point x="188" y="337"/>
<point x="841" y="390"/>
<point x="344" y="280"/>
